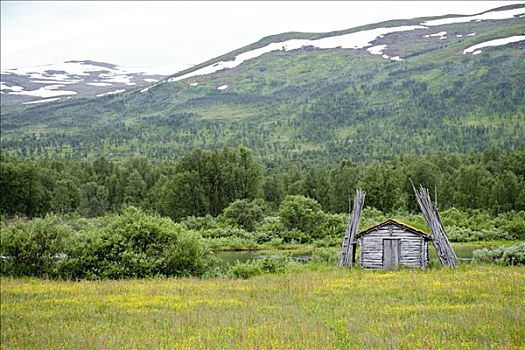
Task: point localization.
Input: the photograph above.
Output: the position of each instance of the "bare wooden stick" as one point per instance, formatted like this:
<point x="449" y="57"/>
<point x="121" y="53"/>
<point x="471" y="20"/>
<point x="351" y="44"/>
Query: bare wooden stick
<point x="444" y="250"/>
<point x="349" y="242"/>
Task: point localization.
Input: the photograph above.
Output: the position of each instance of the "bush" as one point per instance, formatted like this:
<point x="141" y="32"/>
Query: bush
<point x="198" y="223"/>
<point x="275" y="242"/>
<point x="136" y="244"/>
<point x="133" y="244"/>
<point x="33" y="248"/>
<point x="295" y="236"/>
<point x="244" y="214"/>
<point x="329" y="241"/>
<point x="301" y="213"/>
<point x="511" y="255"/>
<point x="454" y="217"/>
<point x="273" y="265"/>
<point x="245" y="270"/>
<point x="272" y="229"/>
<point x="230" y="243"/>
<point x="513" y="223"/>
<point x="225" y="232"/>
<point x="371" y="217"/>
<point x="461" y="234"/>
<point x="326" y="255"/>
<point x="257" y="267"/>
<point x="333" y="225"/>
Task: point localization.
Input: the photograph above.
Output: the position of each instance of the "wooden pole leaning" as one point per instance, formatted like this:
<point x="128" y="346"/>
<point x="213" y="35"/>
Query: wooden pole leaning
<point x="444" y="250"/>
<point x="348" y="248"/>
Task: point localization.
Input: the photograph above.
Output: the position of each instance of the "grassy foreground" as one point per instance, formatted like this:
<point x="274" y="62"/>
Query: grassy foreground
<point x="474" y="307"/>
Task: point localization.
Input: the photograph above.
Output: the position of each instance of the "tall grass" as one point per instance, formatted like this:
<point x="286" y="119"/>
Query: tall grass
<point x="473" y="307"/>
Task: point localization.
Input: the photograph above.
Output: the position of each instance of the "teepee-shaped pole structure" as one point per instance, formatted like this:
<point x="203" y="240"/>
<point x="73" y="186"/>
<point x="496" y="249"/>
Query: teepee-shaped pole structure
<point x="446" y="255"/>
<point x="349" y="243"/>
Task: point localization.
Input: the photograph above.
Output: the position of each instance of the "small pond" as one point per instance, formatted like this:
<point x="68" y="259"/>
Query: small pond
<point x="463" y="251"/>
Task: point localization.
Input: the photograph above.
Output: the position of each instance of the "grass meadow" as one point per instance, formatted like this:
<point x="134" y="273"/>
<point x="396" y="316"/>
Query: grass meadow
<point x="315" y="307"/>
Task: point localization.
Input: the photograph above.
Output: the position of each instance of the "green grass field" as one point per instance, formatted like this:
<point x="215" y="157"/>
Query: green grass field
<point x="473" y="307"/>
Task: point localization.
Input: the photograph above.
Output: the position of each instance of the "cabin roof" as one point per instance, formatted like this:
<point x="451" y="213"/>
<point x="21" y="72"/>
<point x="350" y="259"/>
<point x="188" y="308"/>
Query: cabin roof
<point x="397" y="223"/>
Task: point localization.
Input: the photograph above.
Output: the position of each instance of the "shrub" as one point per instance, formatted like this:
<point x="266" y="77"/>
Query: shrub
<point x="244" y="214"/>
<point x="332" y="225"/>
<point x="513" y="223"/>
<point x="198" y="223"/>
<point x="511" y="255"/>
<point x="245" y="270"/>
<point x="133" y="244"/>
<point x="257" y="267"/>
<point x="33" y="248"/>
<point x="301" y="213"/>
<point x="225" y="232"/>
<point x="371" y="217"/>
<point x="329" y="241"/>
<point x="136" y="244"/>
<point x="272" y="229"/>
<point x="295" y="236"/>
<point x="454" y="217"/>
<point x="326" y="255"/>
<point x="273" y="265"/>
<point x="262" y="237"/>
<point x="461" y="234"/>
<point x="275" y="242"/>
<point x="230" y="243"/>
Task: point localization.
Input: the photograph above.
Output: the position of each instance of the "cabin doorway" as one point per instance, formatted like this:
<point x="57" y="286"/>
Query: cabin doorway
<point x="391" y="253"/>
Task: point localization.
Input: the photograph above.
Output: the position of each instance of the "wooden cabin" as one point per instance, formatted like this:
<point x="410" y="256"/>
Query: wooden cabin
<point x="392" y="244"/>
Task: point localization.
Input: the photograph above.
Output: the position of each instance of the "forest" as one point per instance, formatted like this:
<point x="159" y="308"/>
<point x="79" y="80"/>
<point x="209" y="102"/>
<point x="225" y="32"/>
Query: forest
<point x="206" y="182"/>
<point x="138" y="217"/>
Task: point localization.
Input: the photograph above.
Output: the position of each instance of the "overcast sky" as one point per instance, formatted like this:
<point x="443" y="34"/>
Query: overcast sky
<point x="141" y="33"/>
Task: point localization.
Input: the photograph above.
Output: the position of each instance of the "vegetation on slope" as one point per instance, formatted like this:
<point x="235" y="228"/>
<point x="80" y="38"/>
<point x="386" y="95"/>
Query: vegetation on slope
<point x="309" y="104"/>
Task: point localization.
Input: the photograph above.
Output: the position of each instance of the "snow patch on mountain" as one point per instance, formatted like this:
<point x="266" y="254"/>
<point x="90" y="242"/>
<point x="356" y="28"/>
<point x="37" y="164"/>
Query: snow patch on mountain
<point x="66" y="82"/>
<point x="475" y="49"/>
<point x="222" y="87"/>
<point x="42" y="101"/>
<point x="11" y="88"/>
<point x="357" y="40"/>
<point x="492" y="15"/>
<point x="46" y="91"/>
<point x="112" y="92"/>
<point x="441" y="35"/>
<point x="82" y="77"/>
<point x="99" y="84"/>
<point x="376" y="50"/>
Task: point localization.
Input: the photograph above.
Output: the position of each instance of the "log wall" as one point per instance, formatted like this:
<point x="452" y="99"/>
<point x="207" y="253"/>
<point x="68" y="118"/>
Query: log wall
<point x="414" y="248"/>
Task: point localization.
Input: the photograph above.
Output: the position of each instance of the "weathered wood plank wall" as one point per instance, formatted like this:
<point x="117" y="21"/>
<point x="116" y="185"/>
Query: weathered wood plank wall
<point x="413" y="247"/>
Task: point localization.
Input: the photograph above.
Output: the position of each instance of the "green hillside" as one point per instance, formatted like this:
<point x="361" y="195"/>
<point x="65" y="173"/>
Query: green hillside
<point x="309" y="104"/>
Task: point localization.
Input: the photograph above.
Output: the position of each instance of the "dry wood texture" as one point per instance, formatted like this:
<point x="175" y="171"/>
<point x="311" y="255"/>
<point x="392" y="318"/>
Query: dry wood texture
<point x="445" y="253"/>
<point x="413" y="247"/>
<point x="349" y="241"/>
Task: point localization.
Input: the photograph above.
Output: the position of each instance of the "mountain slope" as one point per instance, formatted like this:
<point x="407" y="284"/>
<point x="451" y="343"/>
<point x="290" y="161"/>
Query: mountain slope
<point x="364" y="93"/>
<point x="47" y="83"/>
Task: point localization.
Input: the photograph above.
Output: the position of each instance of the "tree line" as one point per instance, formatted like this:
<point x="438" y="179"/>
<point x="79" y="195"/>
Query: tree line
<point x="205" y="182"/>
